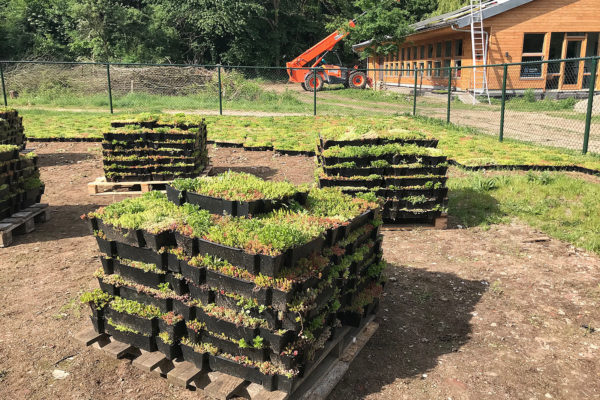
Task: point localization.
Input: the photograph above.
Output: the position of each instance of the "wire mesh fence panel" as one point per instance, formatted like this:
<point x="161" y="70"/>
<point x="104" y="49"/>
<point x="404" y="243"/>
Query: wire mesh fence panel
<point x="56" y="85"/>
<point x="140" y="88"/>
<point x="263" y="91"/>
<point x="546" y="102"/>
<point x="543" y="102"/>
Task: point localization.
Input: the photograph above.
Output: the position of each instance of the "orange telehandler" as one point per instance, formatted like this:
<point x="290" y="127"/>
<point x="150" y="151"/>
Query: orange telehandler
<point x="301" y="71"/>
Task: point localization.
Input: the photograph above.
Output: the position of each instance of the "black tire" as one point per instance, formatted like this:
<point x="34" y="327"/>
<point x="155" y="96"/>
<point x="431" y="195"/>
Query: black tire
<point x="357" y="80"/>
<point x="308" y="82"/>
<point x="303" y="86"/>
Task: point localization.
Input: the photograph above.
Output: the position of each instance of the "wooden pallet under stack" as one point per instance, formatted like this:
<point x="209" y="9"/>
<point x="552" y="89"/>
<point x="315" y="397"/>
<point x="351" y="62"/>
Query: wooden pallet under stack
<point x="22" y="222"/>
<point x="316" y="384"/>
<point x="101" y="187"/>
<point x="440" y="222"/>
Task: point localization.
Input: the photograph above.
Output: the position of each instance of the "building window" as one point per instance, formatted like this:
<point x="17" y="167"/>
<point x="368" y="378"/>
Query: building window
<point x="415" y="54"/>
<point x="457" y="71"/>
<point x="445" y="70"/>
<point x="429" y="68"/>
<point x="422" y="52"/>
<point x="396" y="72"/>
<point x="437" y="65"/>
<point x="403" y="53"/>
<point x="408" y="53"/>
<point x="555" y="51"/>
<point x="438" y="49"/>
<point x="448" y="52"/>
<point x="533" y="50"/>
<point x="430" y="51"/>
<point x="407" y="69"/>
<point x="415" y="68"/>
<point x="458" y="48"/>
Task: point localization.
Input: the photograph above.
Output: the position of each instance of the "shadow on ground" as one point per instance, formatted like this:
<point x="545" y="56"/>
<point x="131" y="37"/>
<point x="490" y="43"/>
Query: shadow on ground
<point x="71" y="225"/>
<point x="260" y="171"/>
<point x="423" y="315"/>
<point x="468" y="207"/>
<point x="57" y="159"/>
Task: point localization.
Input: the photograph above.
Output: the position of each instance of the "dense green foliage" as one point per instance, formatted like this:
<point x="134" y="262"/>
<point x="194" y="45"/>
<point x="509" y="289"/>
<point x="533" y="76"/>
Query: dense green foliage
<point x="252" y="32"/>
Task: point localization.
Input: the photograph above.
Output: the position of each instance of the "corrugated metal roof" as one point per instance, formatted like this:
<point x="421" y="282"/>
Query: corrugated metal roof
<point x="460" y="18"/>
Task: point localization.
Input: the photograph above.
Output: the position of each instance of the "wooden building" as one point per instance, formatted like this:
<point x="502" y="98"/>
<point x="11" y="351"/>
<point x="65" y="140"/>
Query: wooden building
<point x="513" y="31"/>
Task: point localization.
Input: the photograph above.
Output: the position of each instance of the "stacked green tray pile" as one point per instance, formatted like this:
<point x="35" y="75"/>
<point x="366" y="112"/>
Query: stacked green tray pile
<point x="155" y="148"/>
<point x="403" y="168"/>
<point x="257" y="295"/>
<point x="11" y="128"/>
<point x="20" y="184"/>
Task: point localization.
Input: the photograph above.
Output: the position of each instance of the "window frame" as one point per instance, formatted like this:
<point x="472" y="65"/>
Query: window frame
<point x="540" y="55"/>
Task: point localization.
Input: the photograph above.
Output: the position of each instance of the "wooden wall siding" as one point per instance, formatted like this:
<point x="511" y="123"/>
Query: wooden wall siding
<point x="539" y="16"/>
<point x="506" y="37"/>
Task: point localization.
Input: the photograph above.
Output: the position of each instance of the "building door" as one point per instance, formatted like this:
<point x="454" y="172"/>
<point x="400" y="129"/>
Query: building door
<point x="380" y="72"/>
<point x="572" y="73"/>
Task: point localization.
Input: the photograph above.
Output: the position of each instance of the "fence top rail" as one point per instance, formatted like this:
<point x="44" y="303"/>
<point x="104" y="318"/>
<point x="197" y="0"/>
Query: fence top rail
<point x="284" y="67"/>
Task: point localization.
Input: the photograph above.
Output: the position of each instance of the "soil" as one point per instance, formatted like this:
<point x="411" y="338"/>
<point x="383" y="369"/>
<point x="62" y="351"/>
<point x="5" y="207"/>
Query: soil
<point x="467" y="313"/>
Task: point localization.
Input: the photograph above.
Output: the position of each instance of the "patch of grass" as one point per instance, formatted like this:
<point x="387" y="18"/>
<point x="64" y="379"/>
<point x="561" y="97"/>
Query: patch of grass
<point x="561" y="206"/>
<point x="465" y="145"/>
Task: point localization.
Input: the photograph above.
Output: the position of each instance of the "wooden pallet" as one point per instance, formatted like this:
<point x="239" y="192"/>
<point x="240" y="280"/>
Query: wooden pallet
<point x="440" y="222"/>
<point x="316" y="384"/>
<point x="101" y="187"/>
<point x="22" y="222"/>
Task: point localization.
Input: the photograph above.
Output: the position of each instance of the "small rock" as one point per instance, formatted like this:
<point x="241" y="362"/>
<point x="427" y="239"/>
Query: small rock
<point x="423" y="376"/>
<point x="59" y="374"/>
<point x="393" y="279"/>
<point x="548" y="396"/>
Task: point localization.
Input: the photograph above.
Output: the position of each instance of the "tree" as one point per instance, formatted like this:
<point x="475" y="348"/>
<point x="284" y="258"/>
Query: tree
<point x="385" y="23"/>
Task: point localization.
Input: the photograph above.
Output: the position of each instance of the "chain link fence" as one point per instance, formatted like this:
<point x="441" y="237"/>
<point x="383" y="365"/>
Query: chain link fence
<point x="554" y="103"/>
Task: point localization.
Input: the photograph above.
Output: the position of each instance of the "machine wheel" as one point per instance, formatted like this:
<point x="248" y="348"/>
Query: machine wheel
<point x="309" y="82"/>
<point x="358" y="80"/>
<point x="303" y="86"/>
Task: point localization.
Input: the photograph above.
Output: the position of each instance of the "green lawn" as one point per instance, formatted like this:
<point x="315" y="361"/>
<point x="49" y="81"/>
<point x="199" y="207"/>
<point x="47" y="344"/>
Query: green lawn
<point x="464" y="145"/>
<point x="561" y="206"/>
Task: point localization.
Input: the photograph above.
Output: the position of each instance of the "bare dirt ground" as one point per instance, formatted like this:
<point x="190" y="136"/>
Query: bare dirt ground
<point x="467" y="313"/>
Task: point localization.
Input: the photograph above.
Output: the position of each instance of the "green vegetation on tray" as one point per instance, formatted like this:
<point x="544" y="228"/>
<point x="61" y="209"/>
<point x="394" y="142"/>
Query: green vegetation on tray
<point x="236" y="186"/>
<point x="132" y="307"/>
<point x="5" y="148"/>
<point x="269" y="234"/>
<point x="561" y="206"/>
<point x="379" y="150"/>
<point x="383" y="128"/>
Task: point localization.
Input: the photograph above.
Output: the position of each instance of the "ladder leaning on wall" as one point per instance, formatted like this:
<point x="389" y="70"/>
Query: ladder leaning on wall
<point x="479" y="44"/>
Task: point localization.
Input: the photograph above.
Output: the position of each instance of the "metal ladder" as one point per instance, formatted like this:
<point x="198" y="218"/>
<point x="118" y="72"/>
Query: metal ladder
<point x="479" y="44"/>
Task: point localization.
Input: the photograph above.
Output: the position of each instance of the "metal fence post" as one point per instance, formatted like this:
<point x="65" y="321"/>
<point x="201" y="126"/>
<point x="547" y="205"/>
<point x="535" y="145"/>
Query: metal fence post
<point x="3" y="85"/>
<point x="588" y="115"/>
<point x="415" y="93"/>
<point x="109" y="87"/>
<point x="220" y="89"/>
<point x="503" y="104"/>
<point x="449" y="94"/>
<point x="314" y="91"/>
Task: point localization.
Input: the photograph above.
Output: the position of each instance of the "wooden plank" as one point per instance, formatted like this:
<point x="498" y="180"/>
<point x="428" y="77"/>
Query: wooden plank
<point x="359" y="342"/>
<point x="149" y="360"/>
<point x="326" y="377"/>
<point x="117" y="349"/>
<point x="21" y="222"/>
<point x="223" y="386"/>
<point x="88" y="336"/>
<point x="264" y="394"/>
<point x="6" y="238"/>
<point x="183" y="374"/>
